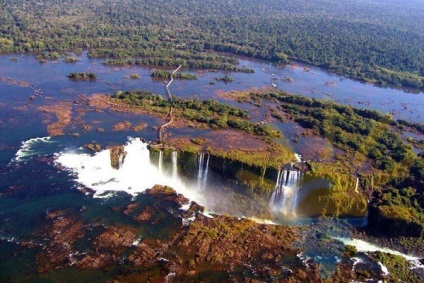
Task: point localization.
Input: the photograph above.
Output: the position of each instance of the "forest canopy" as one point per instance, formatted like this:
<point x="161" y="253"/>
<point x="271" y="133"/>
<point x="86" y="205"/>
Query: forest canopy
<point x="376" y="41"/>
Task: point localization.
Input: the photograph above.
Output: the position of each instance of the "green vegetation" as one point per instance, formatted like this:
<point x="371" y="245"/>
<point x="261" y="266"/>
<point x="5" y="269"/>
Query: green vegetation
<point x="416" y="126"/>
<point x="209" y="112"/>
<point x="70" y="60"/>
<point x="356" y="131"/>
<point x="167" y="75"/>
<point x="398" y="267"/>
<point x="193" y="61"/>
<point x="83" y="76"/>
<point x="366" y="40"/>
<point x="225" y="79"/>
<point x="365" y="136"/>
<point x="351" y="251"/>
<point x="45" y="56"/>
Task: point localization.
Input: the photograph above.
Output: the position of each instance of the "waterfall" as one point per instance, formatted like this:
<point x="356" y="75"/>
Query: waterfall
<point x="357" y="185"/>
<point x="200" y="171"/>
<point x="205" y="173"/>
<point x="286" y="193"/>
<point x="174" y="165"/>
<point x="160" y="165"/>
<point x="135" y="175"/>
<point x="202" y="174"/>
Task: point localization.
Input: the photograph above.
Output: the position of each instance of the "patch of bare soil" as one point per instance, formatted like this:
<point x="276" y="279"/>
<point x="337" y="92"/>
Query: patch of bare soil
<point x="225" y="140"/>
<point x="122" y="126"/>
<point x="234" y="95"/>
<point x="229" y="139"/>
<point x="103" y="101"/>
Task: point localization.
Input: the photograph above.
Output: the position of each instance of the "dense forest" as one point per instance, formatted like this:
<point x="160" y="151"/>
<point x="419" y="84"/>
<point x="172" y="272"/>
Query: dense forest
<point x="375" y="41"/>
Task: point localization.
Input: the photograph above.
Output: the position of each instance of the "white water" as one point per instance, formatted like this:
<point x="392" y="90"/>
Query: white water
<point x="135" y="175"/>
<point x="384" y="269"/>
<point x="160" y="164"/>
<point x="362" y="246"/>
<point x="200" y="171"/>
<point x="27" y="148"/>
<point x="285" y="197"/>
<point x="298" y="157"/>
<point x="174" y="165"/>
<point x="203" y="171"/>
<point x="357" y="185"/>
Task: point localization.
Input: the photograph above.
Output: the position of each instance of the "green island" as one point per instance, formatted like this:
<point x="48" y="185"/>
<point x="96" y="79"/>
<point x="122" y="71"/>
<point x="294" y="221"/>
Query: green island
<point x="71" y="59"/>
<point x="225" y="79"/>
<point x="168" y="75"/>
<point x="82" y="76"/>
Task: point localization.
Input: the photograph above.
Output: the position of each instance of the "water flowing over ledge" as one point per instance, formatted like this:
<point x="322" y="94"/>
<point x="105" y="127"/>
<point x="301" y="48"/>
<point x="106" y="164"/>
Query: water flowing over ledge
<point x="363" y="246"/>
<point x="135" y="175"/>
<point x="26" y="150"/>
<point x="285" y="197"/>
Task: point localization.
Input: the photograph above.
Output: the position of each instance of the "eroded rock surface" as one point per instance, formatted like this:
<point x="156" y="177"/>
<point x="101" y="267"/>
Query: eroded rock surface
<point x="163" y="237"/>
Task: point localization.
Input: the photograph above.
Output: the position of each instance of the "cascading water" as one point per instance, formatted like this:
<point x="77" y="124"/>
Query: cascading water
<point x="160" y="163"/>
<point x="205" y="173"/>
<point x="286" y="193"/>
<point x="202" y="174"/>
<point x="200" y="171"/>
<point x="357" y="185"/>
<point x="135" y="175"/>
<point x="174" y="165"/>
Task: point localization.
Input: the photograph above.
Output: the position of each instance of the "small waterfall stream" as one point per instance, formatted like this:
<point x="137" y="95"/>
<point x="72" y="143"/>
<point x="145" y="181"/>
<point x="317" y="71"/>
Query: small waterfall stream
<point x="202" y="174"/>
<point x="286" y="193"/>
<point x="357" y="185"/>
<point x="174" y="165"/>
<point x="160" y="163"/>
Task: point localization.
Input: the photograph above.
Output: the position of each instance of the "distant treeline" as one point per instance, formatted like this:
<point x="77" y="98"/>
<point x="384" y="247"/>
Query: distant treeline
<point x="365" y="40"/>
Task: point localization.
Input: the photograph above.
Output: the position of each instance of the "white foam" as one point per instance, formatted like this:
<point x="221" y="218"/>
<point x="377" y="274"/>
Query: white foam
<point x="134" y="176"/>
<point x="384" y="270"/>
<point x="262" y="221"/>
<point x="362" y="246"/>
<point x="188" y="220"/>
<point x="27" y="148"/>
<point x="185" y="207"/>
<point x="137" y="241"/>
<point x="416" y="264"/>
<point x="356" y="260"/>
<point x="207" y="214"/>
<point x="298" y="157"/>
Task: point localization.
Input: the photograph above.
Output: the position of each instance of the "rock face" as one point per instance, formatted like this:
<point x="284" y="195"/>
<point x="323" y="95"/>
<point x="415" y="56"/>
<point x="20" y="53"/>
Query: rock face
<point x="117" y="156"/>
<point x="95" y="147"/>
<point x="167" y="238"/>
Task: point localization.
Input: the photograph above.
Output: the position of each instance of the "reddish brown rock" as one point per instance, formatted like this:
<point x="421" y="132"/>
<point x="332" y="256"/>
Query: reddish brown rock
<point x="122" y="126"/>
<point x="63" y="113"/>
<point x="145" y="215"/>
<point x="117" y="156"/>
